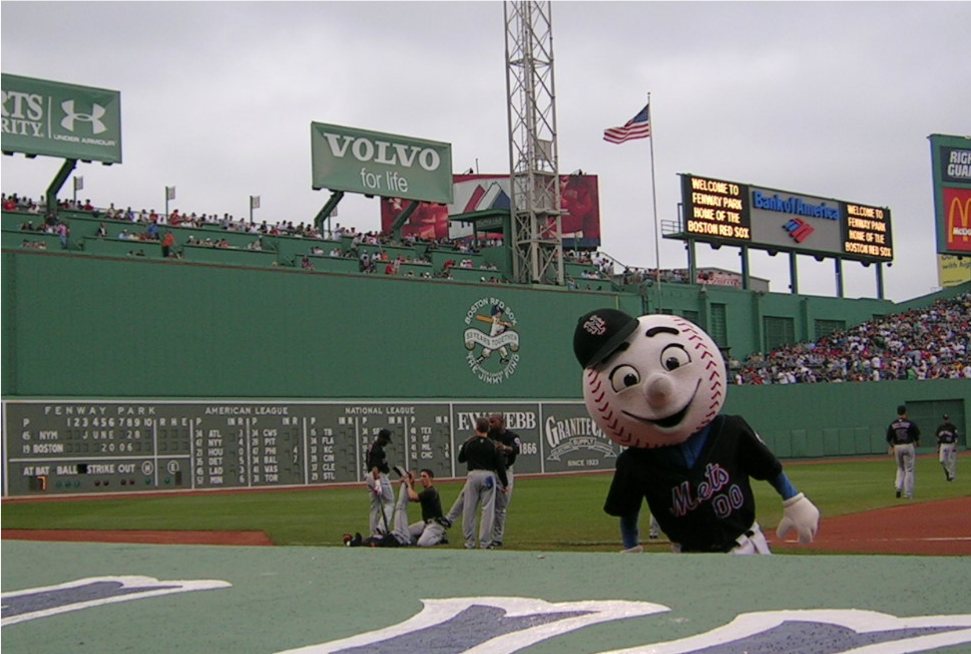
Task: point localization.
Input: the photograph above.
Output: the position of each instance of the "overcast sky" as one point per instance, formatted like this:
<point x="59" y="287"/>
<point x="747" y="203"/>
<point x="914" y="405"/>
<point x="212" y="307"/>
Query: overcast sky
<point x="830" y="99"/>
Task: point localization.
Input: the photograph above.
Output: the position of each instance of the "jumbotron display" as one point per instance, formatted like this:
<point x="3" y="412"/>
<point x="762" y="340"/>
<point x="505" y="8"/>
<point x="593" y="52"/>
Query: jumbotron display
<point x="724" y="212"/>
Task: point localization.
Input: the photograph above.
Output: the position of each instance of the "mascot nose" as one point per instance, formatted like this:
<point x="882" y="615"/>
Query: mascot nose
<point x="659" y="390"/>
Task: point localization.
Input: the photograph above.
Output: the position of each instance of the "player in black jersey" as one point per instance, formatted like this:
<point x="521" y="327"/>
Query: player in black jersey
<point x="427" y="532"/>
<point x="509" y="444"/>
<point x="655" y="385"/>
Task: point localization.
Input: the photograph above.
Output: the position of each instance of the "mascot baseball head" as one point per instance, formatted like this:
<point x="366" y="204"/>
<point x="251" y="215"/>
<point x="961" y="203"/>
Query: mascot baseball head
<point x="650" y="381"/>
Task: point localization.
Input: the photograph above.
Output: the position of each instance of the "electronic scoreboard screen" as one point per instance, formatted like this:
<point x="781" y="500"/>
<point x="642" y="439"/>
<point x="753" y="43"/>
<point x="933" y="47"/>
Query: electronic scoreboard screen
<point x="716" y="209"/>
<point x="725" y="212"/>
<point x="867" y="232"/>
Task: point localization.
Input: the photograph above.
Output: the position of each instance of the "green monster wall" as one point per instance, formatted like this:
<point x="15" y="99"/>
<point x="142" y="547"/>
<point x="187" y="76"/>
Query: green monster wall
<point x="129" y="373"/>
<point x="82" y="325"/>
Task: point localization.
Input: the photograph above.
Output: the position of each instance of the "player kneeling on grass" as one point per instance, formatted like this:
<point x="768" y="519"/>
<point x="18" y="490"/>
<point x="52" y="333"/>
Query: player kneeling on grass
<point x="655" y="385"/>
<point x="425" y="533"/>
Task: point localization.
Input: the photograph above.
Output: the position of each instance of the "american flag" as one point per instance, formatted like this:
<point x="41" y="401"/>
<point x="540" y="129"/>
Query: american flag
<point x="638" y="127"/>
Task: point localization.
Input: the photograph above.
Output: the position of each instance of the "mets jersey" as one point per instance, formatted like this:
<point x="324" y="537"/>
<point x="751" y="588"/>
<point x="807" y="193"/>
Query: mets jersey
<point x="705" y="506"/>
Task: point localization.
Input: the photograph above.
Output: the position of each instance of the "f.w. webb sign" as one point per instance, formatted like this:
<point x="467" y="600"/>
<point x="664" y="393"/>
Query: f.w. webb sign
<point x="374" y="163"/>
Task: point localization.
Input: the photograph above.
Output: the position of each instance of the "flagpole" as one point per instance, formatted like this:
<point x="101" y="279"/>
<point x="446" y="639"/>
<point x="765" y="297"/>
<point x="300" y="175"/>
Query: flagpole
<point x="657" y="238"/>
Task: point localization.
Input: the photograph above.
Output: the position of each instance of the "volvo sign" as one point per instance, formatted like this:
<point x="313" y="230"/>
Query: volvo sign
<point x="374" y="163"/>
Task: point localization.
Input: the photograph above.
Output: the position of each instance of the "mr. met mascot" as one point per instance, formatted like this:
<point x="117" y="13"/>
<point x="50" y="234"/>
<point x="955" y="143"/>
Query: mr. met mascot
<point x="655" y="385"/>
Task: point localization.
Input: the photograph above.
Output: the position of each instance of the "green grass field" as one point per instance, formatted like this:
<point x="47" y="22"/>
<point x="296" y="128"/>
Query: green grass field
<point x="548" y="513"/>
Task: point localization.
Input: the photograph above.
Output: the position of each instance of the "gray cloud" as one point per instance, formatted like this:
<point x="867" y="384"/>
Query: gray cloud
<point x="832" y="99"/>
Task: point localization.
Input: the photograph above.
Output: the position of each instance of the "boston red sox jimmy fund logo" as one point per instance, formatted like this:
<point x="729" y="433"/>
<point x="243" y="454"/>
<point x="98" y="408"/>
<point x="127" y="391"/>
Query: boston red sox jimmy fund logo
<point x="491" y="340"/>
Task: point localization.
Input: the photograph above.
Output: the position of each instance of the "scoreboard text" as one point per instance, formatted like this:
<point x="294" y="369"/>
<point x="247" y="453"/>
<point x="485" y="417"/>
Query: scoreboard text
<point x="724" y="212"/>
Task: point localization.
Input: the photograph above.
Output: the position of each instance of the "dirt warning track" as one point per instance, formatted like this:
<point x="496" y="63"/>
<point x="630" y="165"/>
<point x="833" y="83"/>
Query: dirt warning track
<point x="939" y="528"/>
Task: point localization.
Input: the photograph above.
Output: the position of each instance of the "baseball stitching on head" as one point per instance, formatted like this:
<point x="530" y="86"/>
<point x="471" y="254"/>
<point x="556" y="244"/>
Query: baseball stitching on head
<point x="602" y="406"/>
<point x="712" y="363"/>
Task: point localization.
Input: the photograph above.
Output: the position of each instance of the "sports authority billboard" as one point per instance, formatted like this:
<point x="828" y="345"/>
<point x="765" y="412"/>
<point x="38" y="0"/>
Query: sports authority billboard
<point x="579" y="201"/>
<point x="724" y="212"/>
<point x="374" y="163"/>
<point x="53" y="119"/>
<point x="951" y="174"/>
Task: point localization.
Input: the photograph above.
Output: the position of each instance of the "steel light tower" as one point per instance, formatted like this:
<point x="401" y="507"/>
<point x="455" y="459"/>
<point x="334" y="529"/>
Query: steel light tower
<point x="537" y="237"/>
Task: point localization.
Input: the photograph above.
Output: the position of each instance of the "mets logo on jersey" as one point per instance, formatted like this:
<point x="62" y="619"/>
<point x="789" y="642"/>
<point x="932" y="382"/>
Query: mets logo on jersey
<point x="491" y="340"/>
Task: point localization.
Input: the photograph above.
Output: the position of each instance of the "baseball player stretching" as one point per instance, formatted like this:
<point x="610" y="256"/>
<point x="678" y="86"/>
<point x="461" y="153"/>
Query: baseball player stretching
<point x="379" y="486"/>
<point x="903" y="436"/>
<point x="947" y="447"/>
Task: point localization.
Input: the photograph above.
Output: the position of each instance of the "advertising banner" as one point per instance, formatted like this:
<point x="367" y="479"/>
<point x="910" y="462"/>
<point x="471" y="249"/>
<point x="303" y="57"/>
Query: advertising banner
<point x="952" y="271"/>
<point x="579" y="201"/>
<point x="53" y="119"/>
<point x="957" y="216"/>
<point x="373" y="163"/>
<point x="725" y="212"/>
<point x="951" y="176"/>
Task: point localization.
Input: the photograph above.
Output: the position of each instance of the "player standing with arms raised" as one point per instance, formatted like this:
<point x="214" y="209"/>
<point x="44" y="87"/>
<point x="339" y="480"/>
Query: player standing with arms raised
<point x="379" y="486"/>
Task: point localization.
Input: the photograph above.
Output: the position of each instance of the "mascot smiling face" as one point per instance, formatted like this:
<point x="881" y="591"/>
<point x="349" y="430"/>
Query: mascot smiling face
<point x="650" y="381"/>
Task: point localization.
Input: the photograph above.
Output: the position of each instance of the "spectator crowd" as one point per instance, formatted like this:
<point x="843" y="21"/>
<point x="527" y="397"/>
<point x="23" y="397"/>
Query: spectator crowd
<point x="929" y="343"/>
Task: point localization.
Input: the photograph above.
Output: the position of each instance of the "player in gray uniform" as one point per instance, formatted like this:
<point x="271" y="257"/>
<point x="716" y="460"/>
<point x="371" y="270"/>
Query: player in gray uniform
<point x="485" y="464"/>
<point x="509" y="444"/>
<point x="903" y="436"/>
<point x="379" y="486"/>
<point x="427" y="532"/>
<point x="947" y="448"/>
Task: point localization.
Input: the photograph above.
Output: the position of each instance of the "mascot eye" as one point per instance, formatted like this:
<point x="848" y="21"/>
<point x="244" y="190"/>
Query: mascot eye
<point x="623" y="377"/>
<point x="673" y="357"/>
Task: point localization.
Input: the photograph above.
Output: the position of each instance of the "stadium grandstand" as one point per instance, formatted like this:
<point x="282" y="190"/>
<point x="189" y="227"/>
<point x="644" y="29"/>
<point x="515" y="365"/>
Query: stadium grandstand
<point x="209" y="352"/>
<point x="182" y="351"/>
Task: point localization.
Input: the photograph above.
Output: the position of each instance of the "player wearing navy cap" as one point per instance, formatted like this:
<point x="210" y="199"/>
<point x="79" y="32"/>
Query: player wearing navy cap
<point x="903" y="436"/>
<point x="947" y="448"/>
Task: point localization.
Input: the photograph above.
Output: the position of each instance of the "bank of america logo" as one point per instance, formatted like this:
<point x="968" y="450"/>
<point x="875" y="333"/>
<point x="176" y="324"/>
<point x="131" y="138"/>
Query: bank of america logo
<point x="798" y="229"/>
<point x="71" y="116"/>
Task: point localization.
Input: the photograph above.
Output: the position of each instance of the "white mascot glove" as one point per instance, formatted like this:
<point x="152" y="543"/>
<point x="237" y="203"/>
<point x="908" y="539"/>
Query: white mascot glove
<point x="800" y="514"/>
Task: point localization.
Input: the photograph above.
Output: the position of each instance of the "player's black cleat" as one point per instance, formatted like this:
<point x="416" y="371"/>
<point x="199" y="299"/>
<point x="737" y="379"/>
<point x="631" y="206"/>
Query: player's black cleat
<point x="398" y="470"/>
<point x="898" y="494"/>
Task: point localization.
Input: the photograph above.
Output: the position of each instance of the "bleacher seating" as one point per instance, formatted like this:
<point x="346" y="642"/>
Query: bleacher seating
<point x="418" y="260"/>
<point x="229" y="256"/>
<point x="19" y="239"/>
<point x="118" y="247"/>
